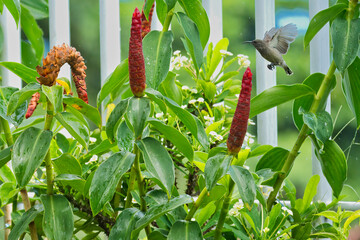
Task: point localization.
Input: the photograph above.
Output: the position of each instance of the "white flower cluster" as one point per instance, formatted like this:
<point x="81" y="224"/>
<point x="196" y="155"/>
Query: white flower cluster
<point x="243" y="60"/>
<point x="199" y="100"/>
<point x="177" y="61"/>
<point x="216" y="136"/>
<point x="208" y="120"/>
<point x="235" y="210"/>
<point x="187" y="88"/>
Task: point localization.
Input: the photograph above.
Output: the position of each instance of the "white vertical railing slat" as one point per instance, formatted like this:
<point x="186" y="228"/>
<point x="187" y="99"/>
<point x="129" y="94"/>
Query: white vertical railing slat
<point x="214" y="11"/>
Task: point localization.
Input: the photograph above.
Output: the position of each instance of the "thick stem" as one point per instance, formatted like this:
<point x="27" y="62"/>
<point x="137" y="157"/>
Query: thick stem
<point x="48" y="163"/>
<point x="117" y="198"/>
<point x="224" y="211"/>
<point x="196" y="204"/>
<point x="168" y="20"/>
<point x="27" y="206"/>
<point x="301" y="137"/>
<point x="131" y="185"/>
<point x="351" y="10"/>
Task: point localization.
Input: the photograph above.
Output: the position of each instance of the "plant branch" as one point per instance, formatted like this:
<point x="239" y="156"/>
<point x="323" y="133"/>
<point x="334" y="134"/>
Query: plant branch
<point x="168" y="19"/>
<point x="48" y="164"/>
<point x="196" y="204"/>
<point x="27" y="206"/>
<point x="301" y="137"/>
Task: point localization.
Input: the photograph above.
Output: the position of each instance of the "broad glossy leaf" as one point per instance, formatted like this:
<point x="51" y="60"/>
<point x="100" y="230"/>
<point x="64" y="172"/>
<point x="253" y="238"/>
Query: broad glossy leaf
<point x="320" y="19"/>
<point x="314" y="81"/>
<point x="24" y="221"/>
<point x="17" y="117"/>
<point x="345" y="38"/>
<point x="55" y="95"/>
<point x="39" y="8"/>
<point x="74" y="126"/>
<point x="205" y="213"/>
<point x="6" y="175"/>
<point x="320" y="123"/>
<point x="273" y="159"/>
<point x="27" y="74"/>
<point x="72" y="180"/>
<point x="7" y="191"/>
<point x="28" y="123"/>
<point x="170" y="89"/>
<point x="20" y="96"/>
<point x="176" y="137"/>
<point x="259" y="150"/>
<point x="157" y="48"/>
<point x="351" y="88"/>
<point x="67" y="164"/>
<point x="137" y="113"/>
<point x="277" y="95"/>
<point x="216" y="167"/>
<point x="158" y="162"/>
<point x="115" y="118"/>
<point x="216" y="193"/>
<point x="190" y="121"/>
<point x="26" y="158"/>
<point x="14" y="8"/>
<point x="217" y="56"/>
<point x="197" y="13"/>
<point x="333" y="164"/>
<point x="158" y="210"/>
<point x="100" y="149"/>
<point x="185" y="230"/>
<point x="106" y="178"/>
<point x="125" y="224"/>
<point x="161" y="10"/>
<point x="157" y="97"/>
<point x="58" y="220"/>
<point x="5" y="156"/>
<point x="117" y="78"/>
<point x="310" y="192"/>
<point x="147" y="7"/>
<point x="125" y="138"/>
<point x="87" y="110"/>
<point x="192" y="39"/>
<point x="245" y="183"/>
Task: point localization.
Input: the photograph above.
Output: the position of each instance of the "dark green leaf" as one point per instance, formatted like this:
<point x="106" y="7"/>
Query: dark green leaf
<point x="158" y="162"/>
<point x="104" y="146"/>
<point x="5" y="156"/>
<point x="125" y="224"/>
<point x="138" y="112"/>
<point x="115" y="118"/>
<point x="106" y="178"/>
<point x="67" y="164"/>
<point x="27" y="74"/>
<point x="161" y="10"/>
<point x="72" y="180"/>
<point x="26" y="158"/>
<point x="216" y="167"/>
<point x="185" y="230"/>
<point x="320" y="19"/>
<point x="19" y="97"/>
<point x="17" y="117"/>
<point x="170" y="89"/>
<point x="28" y="55"/>
<point x="38" y="8"/>
<point x="157" y="97"/>
<point x="273" y="159"/>
<point x="245" y="183"/>
<point x="55" y="95"/>
<point x="62" y="142"/>
<point x="320" y="123"/>
<point x="14" y="8"/>
<point x="157" y="48"/>
<point x="58" y="220"/>
<point x="277" y="95"/>
<point x="345" y="38"/>
<point x="125" y="138"/>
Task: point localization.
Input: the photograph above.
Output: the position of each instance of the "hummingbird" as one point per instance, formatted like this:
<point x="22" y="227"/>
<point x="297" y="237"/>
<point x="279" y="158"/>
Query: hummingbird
<point x="276" y="43"/>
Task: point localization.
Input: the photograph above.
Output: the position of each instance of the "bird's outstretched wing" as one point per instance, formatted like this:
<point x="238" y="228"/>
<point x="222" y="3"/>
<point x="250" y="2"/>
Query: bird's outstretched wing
<point x="280" y="38"/>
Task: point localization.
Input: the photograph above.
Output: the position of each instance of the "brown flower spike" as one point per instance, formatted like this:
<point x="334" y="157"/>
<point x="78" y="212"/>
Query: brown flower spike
<point x="241" y="116"/>
<point x="136" y="57"/>
<point x="58" y="56"/>
<point x="146" y="23"/>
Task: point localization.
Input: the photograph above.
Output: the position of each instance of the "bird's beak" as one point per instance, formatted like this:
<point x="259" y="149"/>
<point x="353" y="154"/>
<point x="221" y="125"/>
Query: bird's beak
<point x="251" y="42"/>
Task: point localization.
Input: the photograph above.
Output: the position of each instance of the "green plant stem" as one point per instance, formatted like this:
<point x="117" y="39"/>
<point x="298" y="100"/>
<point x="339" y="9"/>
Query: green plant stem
<point x="117" y="198"/>
<point x="168" y="19"/>
<point x="224" y="211"/>
<point x="130" y="188"/>
<point x="48" y="164"/>
<point x="351" y="10"/>
<point x="196" y="204"/>
<point x="301" y="137"/>
<point x="27" y="206"/>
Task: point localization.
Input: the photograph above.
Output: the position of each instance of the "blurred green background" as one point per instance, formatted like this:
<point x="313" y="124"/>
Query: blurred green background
<point x="239" y="25"/>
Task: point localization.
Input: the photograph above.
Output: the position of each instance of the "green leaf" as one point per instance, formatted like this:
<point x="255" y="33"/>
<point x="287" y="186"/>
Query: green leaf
<point x="138" y="112"/>
<point x="157" y="48"/>
<point x="192" y="43"/>
<point x="158" y="162"/>
<point x="197" y="13"/>
<point x="245" y="183"/>
<point x="103" y="147"/>
<point x="28" y="75"/>
<point x="116" y="79"/>
<point x="7" y="191"/>
<point x="24" y="221"/>
<point x="157" y="97"/>
<point x="28" y="55"/>
<point x="185" y="230"/>
<point x="125" y="224"/>
<point x="273" y="159"/>
<point x="5" y="156"/>
<point x="314" y="81"/>
<point x="333" y="164"/>
<point x="72" y="180"/>
<point x="17" y="117"/>
<point x="6" y="175"/>
<point x="216" y="167"/>
<point x="67" y="164"/>
<point x="310" y="192"/>
<point x="87" y="110"/>
<point x="106" y="178"/>
<point x="209" y="89"/>
<point x="190" y="121"/>
<point x="351" y="88"/>
<point x="58" y="220"/>
<point x="161" y="10"/>
<point x="125" y="138"/>
<point x="39" y="8"/>
<point x="14" y="8"/>
<point x="217" y="56"/>
<point x="20" y="96"/>
<point x="169" y="88"/>
<point x="115" y="118"/>
<point x="26" y="158"/>
<point x="352" y="217"/>
<point x="176" y="137"/>
<point x="147" y="7"/>
<point x="345" y="38"/>
<point x="277" y="95"/>
<point x="320" y="123"/>
<point x="55" y="95"/>
<point x="159" y="210"/>
<point x="33" y="32"/>
<point x="320" y="19"/>
<point x="74" y="126"/>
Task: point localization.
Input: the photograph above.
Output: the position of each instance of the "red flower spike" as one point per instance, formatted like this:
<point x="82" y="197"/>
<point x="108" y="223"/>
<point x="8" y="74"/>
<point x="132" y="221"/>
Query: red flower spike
<point x="146" y="23"/>
<point x="136" y="57"/>
<point x="241" y="116"/>
<point x="32" y="105"/>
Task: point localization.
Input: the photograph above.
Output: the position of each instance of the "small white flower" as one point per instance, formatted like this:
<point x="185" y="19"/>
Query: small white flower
<point x="238" y="205"/>
<point x="193" y="91"/>
<point x="219" y="137"/>
<point x="225" y="53"/>
<point x="177" y="52"/>
<point x="159" y="115"/>
<point x="193" y="219"/>
<point x="237" y="95"/>
<point x="208" y="118"/>
<point x="251" y="122"/>
<point x="185" y="87"/>
<point x="92" y="139"/>
<point x="242" y="56"/>
<point x="266" y="230"/>
<point x="94" y="158"/>
<point x="200" y="100"/>
<point x="192" y="101"/>
<point x="183" y="106"/>
<point x="246" y="63"/>
<point x="246" y="167"/>
<point x="233" y="212"/>
<point x="213" y="133"/>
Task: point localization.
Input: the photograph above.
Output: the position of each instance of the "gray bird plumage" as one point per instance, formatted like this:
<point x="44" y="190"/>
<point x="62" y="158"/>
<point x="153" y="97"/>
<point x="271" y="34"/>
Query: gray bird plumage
<point x="276" y="43"/>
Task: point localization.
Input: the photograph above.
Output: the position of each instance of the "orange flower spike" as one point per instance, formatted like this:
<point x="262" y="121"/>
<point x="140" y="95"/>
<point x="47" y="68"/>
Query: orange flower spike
<point x="32" y="105"/>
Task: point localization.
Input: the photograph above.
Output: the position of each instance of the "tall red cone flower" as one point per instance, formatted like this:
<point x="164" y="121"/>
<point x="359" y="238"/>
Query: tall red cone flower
<point x="136" y="57"/>
<point x="241" y="116"/>
<point x="146" y="23"/>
